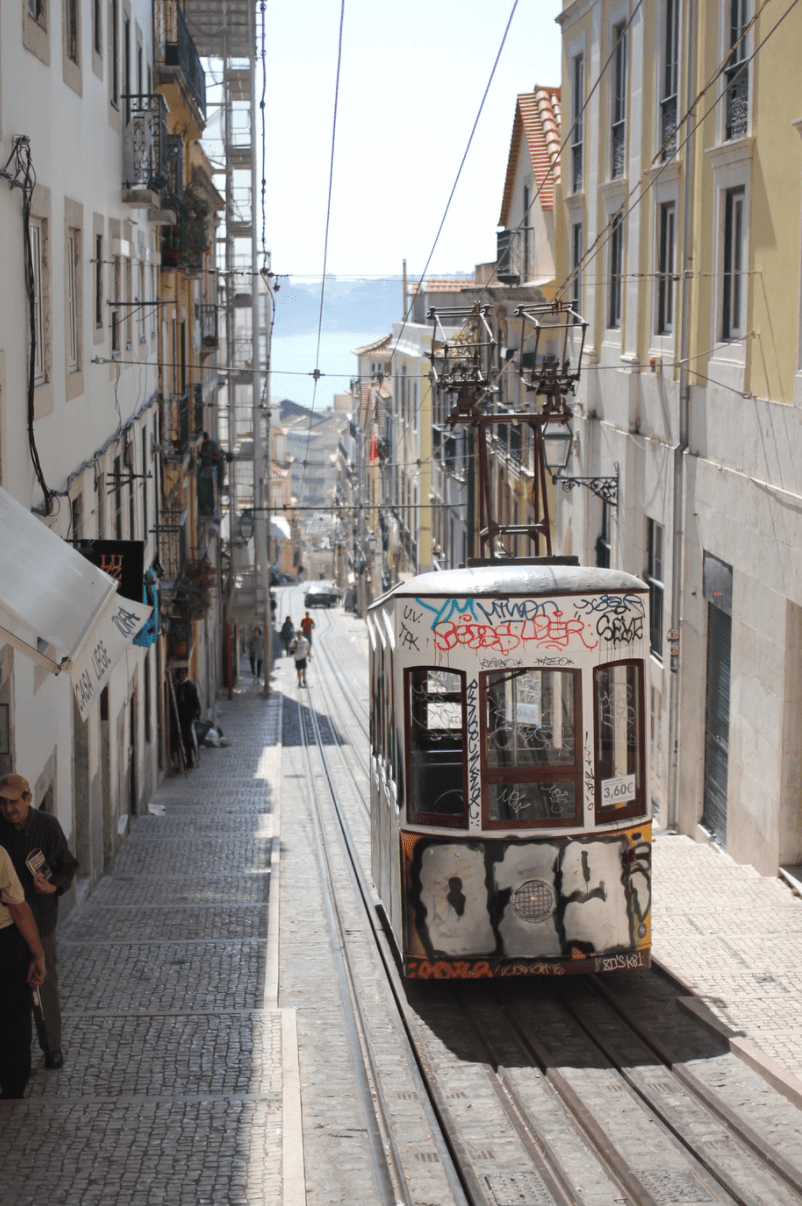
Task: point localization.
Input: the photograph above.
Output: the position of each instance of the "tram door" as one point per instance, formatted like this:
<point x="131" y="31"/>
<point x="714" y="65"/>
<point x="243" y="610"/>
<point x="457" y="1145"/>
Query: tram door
<point x="718" y="591"/>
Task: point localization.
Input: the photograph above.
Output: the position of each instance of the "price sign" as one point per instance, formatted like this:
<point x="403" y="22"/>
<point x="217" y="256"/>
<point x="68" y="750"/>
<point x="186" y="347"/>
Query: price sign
<point x="618" y="792"/>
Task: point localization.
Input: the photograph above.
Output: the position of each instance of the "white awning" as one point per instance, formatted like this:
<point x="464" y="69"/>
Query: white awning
<point x="57" y="596"/>
<point x="280" y="528"/>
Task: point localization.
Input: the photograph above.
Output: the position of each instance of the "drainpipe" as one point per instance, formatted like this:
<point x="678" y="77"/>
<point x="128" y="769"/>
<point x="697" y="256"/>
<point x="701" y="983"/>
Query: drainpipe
<point x="681" y="447"/>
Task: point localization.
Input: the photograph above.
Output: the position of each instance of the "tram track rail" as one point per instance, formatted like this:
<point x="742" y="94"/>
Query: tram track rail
<point x="579" y="1088"/>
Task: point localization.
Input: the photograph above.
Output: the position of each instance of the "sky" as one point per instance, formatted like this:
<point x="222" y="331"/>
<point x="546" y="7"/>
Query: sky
<point x="412" y="79"/>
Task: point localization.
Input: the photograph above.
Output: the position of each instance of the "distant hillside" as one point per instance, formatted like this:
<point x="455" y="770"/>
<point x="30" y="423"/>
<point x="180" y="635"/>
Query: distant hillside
<point x="352" y="305"/>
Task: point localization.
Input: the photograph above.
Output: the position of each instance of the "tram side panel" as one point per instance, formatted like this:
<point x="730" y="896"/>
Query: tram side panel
<point x="525" y="843"/>
<point x="386" y="776"/>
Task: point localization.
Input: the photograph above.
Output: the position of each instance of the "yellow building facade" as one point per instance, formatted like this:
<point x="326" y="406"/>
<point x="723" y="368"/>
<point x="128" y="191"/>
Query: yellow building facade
<point x="678" y="239"/>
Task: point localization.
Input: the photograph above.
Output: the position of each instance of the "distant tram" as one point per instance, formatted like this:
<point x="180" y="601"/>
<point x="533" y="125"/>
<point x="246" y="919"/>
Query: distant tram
<point x="510" y="806"/>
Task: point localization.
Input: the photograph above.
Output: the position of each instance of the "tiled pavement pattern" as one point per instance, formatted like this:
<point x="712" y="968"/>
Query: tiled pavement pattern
<point x="172" y="1087"/>
<point x="737" y="938"/>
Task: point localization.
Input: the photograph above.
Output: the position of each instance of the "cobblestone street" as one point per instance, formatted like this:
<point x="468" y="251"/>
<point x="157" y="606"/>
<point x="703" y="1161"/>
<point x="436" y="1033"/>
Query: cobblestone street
<point x="172" y="1085"/>
<point x="206" y="1061"/>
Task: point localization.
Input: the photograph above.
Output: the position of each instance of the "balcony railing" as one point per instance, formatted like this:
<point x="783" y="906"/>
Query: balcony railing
<point x="197" y="417"/>
<point x="513" y="255"/>
<point x="176" y="429"/>
<point x="207" y="313"/>
<point x="175" y="48"/>
<point x="619" y="149"/>
<point x="737" y="102"/>
<point x="145" y="144"/>
<point x="668" y="127"/>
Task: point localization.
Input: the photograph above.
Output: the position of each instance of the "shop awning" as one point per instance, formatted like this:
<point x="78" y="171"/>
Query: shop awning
<point x="61" y="602"/>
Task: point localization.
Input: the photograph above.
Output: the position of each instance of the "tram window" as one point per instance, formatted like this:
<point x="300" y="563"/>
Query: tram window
<point x="532" y="760"/>
<point x="530" y="718"/>
<point x="436" y="739"/>
<point x="618" y="705"/>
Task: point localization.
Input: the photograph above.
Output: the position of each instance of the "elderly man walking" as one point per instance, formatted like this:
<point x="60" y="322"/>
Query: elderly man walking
<point x="25" y="832"/>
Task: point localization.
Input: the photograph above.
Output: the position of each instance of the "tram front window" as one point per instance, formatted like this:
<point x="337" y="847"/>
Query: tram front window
<point x="436" y="743"/>
<point x="531" y="726"/>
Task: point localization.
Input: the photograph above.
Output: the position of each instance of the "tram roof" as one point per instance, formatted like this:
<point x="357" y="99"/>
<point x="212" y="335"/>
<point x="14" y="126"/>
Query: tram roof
<point x="511" y="579"/>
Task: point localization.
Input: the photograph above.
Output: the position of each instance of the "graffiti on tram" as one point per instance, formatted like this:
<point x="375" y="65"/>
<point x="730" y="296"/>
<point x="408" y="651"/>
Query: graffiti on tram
<point x="574" y="898"/>
<point x="506" y="626"/>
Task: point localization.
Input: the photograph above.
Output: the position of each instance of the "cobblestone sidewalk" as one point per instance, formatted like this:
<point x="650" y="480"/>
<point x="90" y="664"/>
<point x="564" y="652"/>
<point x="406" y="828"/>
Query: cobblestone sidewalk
<point x="736" y="936"/>
<point x="172" y="1085"/>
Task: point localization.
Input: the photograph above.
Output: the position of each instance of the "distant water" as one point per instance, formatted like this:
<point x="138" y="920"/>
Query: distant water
<point x="293" y="361"/>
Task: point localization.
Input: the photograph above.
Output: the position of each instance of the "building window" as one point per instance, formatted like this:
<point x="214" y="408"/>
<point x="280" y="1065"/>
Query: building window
<point x="126" y="65"/>
<point x="115" y="313"/>
<point x="577" y="244"/>
<point x="141" y="307"/>
<point x="619" y="107"/>
<point x="118" y="499"/>
<point x="732" y="326"/>
<point x="97" y="27"/>
<point x="72" y="39"/>
<point x="736" y="74"/>
<point x="665" y="276"/>
<point x="526" y="233"/>
<point x="578" y="129"/>
<point x="98" y="281"/>
<point x="129" y="339"/>
<point x="77" y="517"/>
<point x="114" y="24"/>
<point x="670" y="81"/>
<point x="654" y="580"/>
<point x="616" y="271"/>
<point x="73" y="300"/>
<point x="604" y="544"/>
<point x="38" y="10"/>
<point x="37" y="237"/>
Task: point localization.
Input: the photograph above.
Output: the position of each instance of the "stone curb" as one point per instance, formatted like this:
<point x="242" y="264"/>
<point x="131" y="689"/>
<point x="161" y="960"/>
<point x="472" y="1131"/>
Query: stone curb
<point x="780" y="1079"/>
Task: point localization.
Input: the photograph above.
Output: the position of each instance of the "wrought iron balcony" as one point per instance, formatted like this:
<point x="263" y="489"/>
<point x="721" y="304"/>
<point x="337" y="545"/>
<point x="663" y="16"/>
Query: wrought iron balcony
<point x="207" y="313"/>
<point x="175" y="48"/>
<point x="737" y="102"/>
<point x="577" y="175"/>
<point x="619" y="149"/>
<point x="145" y="145"/>
<point x="175" y="428"/>
<point x="668" y="127"/>
<point x="513" y="253"/>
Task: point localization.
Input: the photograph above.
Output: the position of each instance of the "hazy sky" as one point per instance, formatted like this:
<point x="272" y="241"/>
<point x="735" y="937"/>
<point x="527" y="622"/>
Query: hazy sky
<point x="411" y="82"/>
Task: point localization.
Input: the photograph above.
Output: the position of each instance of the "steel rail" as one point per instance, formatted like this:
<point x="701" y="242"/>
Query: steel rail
<point x="356" y="1034"/>
<point x="746" y="1133"/>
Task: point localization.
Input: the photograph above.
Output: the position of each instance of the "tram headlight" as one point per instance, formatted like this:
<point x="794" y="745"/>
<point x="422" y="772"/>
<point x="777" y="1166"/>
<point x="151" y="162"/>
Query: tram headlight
<point x="534" y="900"/>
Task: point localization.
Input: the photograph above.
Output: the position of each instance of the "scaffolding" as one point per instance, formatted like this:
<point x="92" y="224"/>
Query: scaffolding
<point x="225" y="34"/>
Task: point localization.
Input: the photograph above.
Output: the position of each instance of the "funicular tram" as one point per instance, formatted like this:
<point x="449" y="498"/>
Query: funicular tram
<point x="511" y="829"/>
<point x="510" y="804"/>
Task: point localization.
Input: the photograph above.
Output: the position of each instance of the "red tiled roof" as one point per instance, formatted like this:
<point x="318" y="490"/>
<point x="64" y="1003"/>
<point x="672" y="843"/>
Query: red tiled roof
<point x="537" y="117"/>
<point x="380" y="345"/>
<point x="443" y="285"/>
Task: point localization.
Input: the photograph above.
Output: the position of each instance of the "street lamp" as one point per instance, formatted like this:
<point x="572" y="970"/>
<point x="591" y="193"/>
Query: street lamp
<point x="246" y="526"/>
<point x="557" y="440"/>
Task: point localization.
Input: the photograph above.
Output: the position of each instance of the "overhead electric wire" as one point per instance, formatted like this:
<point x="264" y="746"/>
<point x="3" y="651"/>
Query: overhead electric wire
<point x="328" y="222"/>
<point x="551" y="168"/>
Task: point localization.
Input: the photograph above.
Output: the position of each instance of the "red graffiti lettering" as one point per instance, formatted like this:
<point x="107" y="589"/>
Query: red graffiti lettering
<point x="551" y="631"/>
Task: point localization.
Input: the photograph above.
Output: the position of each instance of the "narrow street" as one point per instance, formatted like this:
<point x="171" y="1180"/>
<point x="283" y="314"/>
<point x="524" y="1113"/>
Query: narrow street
<point x="208" y="1051"/>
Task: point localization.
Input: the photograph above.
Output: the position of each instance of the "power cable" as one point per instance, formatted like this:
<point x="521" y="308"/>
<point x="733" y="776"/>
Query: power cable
<point x="459" y="171"/>
<point x="328" y="219"/>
